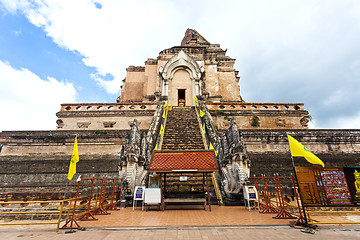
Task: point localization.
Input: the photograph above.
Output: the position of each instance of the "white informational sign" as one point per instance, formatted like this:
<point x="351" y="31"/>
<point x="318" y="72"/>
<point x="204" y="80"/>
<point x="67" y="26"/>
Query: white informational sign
<point x="152" y="196"/>
<point x="251" y="196"/>
<point x="250" y="193"/>
<point x="139" y="193"/>
<point x="139" y="196"/>
<point x="183" y="178"/>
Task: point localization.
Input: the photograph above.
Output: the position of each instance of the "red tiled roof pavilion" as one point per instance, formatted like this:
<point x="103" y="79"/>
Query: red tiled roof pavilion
<point x="185" y="161"/>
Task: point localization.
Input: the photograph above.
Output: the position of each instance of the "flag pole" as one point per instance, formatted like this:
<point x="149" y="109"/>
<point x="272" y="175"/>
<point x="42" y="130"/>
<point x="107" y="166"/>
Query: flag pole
<point x="67" y="182"/>
<point x="298" y="186"/>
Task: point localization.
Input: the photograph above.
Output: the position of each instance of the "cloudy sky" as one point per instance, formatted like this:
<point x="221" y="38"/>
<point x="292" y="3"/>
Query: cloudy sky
<point x="60" y="51"/>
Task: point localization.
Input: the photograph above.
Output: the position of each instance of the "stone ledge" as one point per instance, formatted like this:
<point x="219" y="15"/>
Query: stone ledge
<point x="231" y="105"/>
<point x="122" y="106"/>
<point x="129" y="113"/>
<point x="317" y="135"/>
<point x="63" y="134"/>
<point x="267" y="113"/>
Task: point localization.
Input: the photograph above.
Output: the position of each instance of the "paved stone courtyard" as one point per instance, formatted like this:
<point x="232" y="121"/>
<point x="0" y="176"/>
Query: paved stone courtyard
<point x="219" y="216"/>
<point x="220" y="223"/>
<point x="217" y="233"/>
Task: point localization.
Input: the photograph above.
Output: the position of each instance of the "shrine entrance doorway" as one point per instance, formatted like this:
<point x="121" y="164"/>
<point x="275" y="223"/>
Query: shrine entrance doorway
<point x="181" y="97"/>
<point x="181" y="89"/>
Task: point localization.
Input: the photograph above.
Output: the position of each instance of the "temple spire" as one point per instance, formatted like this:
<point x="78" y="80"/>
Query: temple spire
<point x="193" y="38"/>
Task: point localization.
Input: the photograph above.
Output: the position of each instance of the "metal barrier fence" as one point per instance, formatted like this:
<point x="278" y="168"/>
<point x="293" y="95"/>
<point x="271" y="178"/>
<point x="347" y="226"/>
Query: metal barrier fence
<point x="272" y="187"/>
<point x="98" y="198"/>
<point x="60" y="210"/>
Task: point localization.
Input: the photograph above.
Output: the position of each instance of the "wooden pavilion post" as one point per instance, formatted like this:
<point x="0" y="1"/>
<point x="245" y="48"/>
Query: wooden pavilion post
<point x="162" y="194"/>
<point x="208" y="190"/>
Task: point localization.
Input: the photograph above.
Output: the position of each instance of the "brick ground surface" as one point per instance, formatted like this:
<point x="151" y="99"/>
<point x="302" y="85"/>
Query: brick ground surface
<point x="217" y="233"/>
<point x="221" y="223"/>
<point x="218" y="216"/>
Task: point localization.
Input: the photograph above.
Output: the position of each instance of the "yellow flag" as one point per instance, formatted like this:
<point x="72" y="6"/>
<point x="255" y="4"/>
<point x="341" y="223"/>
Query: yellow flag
<point x="298" y="150"/>
<point x="166" y="104"/>
<point x="156" y="147"/>
<point x="211" y="147"/>
<point x="195" y="99"/>
<point x="202" y="113"/>
<point x="164" y="112"/>
<point x="204" y="129"/>
<point x="73" y="161"/>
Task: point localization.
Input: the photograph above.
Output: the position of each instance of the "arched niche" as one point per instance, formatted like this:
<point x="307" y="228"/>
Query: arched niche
<point x="181" y="62"/>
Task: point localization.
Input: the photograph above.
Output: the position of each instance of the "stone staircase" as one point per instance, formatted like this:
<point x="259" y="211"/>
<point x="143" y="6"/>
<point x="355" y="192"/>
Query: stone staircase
<point x="182" y="133"/>
<point x="182" y="130"/>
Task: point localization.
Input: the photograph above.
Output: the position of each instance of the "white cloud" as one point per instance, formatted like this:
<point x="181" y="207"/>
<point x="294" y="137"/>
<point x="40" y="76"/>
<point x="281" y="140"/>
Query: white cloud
<point x="111" y="86"/>
<point x="339" y="122"/>
<point x="286" y="51"/>
<point x="106" y="37"/>
<point x="352" y="122"/>
<point x="335" y="98"/>
<point x="14" y="5"/>
<point x="28" y="102"/>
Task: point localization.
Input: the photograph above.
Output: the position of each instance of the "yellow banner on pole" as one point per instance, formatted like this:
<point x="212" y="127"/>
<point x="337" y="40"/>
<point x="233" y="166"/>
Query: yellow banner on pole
<point x="74" y="160"/>
<point x="298" y="150"/>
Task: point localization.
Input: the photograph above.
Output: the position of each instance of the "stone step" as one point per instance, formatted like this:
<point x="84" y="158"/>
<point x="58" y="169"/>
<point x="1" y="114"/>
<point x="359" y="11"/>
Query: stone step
<point x="174" y="132"/>
<point x="182" y="148"/>
<point x="182" y="131"/>
<point x="182" y="143"/>
<point x="184" y="137"/>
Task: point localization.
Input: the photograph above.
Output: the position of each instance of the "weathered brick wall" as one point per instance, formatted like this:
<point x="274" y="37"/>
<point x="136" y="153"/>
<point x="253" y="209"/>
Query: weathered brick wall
<point x="104" y="116"/>
<point x="269" y="150"/>
<point x="34" y="164"/>
<point x="259" y="115"/>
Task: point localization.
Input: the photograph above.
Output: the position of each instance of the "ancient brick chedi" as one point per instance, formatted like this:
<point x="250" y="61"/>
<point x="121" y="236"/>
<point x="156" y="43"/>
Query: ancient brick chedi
<point x="178" y="74"/>
<point x="157" y="110"/>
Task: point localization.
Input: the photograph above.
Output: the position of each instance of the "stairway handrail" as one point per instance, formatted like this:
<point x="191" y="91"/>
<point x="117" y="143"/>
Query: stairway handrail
<point x="163" y="123"/>
<point x="207" y="144"/>
<point x="202" y="130"/>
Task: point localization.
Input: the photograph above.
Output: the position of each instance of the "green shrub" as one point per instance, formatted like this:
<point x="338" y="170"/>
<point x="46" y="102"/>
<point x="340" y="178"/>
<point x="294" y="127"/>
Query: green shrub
<point x="100" y="132"/>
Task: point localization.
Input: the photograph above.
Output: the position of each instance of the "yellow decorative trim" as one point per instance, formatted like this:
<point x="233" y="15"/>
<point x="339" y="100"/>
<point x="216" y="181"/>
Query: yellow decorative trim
<point x="202" y="130"/>
<point x="163" y="126"/>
